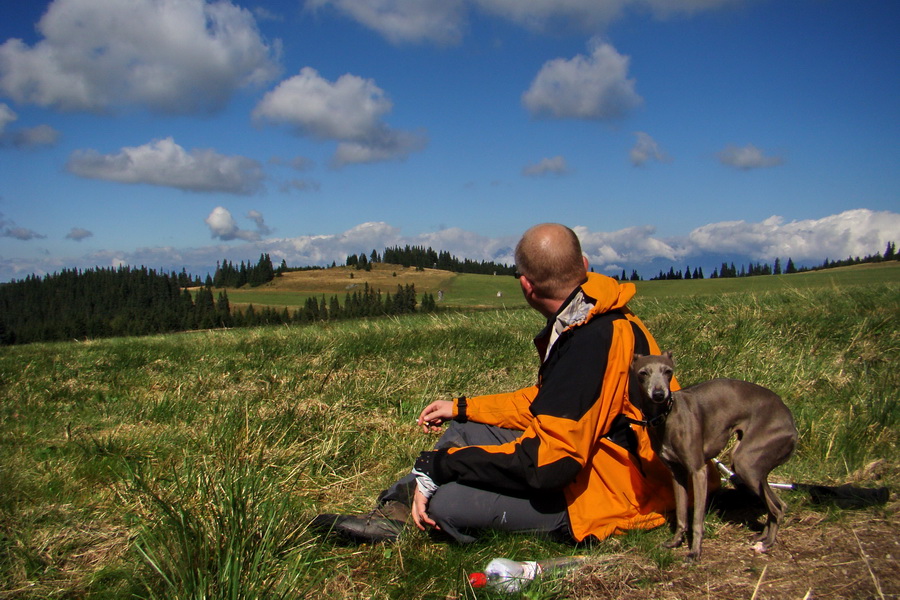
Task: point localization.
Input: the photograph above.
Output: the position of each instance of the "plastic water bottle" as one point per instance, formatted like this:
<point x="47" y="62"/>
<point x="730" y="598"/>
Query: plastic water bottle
<point x="510" y="576"/>
<point x="506" y="575"/>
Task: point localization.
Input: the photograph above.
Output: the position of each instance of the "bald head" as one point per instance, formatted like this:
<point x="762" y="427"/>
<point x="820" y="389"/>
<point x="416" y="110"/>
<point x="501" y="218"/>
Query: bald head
<point x="549" y="255"/>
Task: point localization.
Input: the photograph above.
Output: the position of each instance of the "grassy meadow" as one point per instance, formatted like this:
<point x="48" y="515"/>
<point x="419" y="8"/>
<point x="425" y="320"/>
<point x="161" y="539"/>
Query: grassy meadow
<point x="188" y="465"/>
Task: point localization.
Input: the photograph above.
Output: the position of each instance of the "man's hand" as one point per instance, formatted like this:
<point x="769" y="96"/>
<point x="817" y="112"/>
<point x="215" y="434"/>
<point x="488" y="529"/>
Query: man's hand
<point x="434" y="415"/>
<point x="419" y="514"/>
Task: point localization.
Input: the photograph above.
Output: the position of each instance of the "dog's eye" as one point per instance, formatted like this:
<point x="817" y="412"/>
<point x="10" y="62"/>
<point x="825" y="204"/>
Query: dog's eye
<point x="668" y="372"/>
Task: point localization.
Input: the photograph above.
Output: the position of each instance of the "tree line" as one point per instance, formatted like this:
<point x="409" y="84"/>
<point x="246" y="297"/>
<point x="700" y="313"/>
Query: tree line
<point x="229" y="275"/>
<point x="367" y="302"/>
<point x="422" y="258"/>
<point x="128" y="301"/>
<point x="96" y="303"/>
<point x="754" y="269"/>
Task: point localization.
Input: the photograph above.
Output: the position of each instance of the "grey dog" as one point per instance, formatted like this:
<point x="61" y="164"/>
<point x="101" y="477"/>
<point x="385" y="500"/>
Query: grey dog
<point x="689" y="427"/>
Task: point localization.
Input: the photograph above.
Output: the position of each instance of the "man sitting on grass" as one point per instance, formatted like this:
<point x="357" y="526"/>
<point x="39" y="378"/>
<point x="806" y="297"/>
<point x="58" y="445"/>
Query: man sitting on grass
<point x="556" y="458"/>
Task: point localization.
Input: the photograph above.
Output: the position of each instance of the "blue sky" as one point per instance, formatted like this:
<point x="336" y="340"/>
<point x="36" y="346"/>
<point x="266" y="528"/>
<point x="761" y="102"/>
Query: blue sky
<point x="177" y="133"/>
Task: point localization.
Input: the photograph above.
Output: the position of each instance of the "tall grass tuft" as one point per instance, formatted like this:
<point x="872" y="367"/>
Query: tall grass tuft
<point x="221" y="530"/>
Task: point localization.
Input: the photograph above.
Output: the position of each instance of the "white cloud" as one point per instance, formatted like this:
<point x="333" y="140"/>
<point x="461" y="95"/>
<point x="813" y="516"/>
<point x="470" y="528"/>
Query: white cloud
<point x="78" y="233"/>
<point x="400" y="21"/>
<point x="348" y="110"/>
<point x="547" y="166"/>
<point x="445" y="21"/>
<point x="223" y="226"/>
<point x="32" y="137"/>
<point x="9" y="229"/>
<point x="594" y="87"/>
<point x="646" y="149"/>
<point x="35" y="137"/>
<point x="165" y="163"/>
<point x="389" y="145"/>
<point x="631" y="245"/>
<point x="853" y="233"/>
<point x="172" y="56"/>
<point x="747" y="157"/>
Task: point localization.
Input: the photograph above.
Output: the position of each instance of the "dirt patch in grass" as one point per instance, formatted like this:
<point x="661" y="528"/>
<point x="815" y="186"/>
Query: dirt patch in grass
<point x="847" y="555"/>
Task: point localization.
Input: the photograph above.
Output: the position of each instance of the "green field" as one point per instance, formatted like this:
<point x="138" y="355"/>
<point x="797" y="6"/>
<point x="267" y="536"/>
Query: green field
<point x="466" y="290"/>
<point x="868" y="274"/>
<point x="188" y="465"/>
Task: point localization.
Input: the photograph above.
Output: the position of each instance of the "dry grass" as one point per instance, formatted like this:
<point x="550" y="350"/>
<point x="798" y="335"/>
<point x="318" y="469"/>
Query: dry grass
<point x="854" y="557"/>
<point x="338" y="280"/>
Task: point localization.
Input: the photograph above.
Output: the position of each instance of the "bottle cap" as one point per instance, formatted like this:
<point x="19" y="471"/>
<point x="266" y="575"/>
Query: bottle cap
<point x="477" y="580"/>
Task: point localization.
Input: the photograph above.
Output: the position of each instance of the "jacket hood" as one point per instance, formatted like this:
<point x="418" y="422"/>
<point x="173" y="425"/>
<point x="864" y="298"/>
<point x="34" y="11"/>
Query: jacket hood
<point x="607" y="293"/>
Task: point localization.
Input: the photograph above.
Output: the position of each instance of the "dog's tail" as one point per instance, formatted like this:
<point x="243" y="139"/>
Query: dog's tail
<point x="843" y="496"/>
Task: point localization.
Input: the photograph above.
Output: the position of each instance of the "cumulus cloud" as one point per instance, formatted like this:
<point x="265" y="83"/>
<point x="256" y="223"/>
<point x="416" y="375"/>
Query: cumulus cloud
<point x="854" y="233"/>
<point x="77" y="234"/>
<point x="646" y="149"/>
<point x="747" y="158"/>
<point x="348" y="110"/>
<point x="31" y="137"/>
<point x="9" y="229"/>
<point x="445" y="21"/>
<point x="383" y="146"/>
<point x="171" y="56"/>
<point x="165" y="163"/>
<point x="400" y="21"/>
<point x="632" y="245"/>
<point x="547" y="166"/>
<point x="594" y="87"/>
<point x="223" y="226"/>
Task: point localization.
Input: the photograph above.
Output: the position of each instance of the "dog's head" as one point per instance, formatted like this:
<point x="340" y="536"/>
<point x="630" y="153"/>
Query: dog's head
<point x="654" y="375"/>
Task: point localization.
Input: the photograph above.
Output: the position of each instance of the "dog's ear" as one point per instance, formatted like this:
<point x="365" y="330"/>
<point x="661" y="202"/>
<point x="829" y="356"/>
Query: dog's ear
<point x="636" y="356"/>
<point x="668" y="354"/>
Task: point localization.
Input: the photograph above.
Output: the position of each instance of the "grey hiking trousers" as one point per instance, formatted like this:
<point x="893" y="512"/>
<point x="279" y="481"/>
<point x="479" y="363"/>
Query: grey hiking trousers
<point x="461" y="510"/>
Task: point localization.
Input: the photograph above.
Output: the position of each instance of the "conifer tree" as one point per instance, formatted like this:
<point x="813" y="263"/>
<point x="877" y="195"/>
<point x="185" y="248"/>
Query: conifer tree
<point x="790" y="268"/>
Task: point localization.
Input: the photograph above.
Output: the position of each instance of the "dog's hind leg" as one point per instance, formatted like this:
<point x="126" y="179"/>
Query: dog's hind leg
<point x="776" y="507"/>
<point x="755" y="478"/>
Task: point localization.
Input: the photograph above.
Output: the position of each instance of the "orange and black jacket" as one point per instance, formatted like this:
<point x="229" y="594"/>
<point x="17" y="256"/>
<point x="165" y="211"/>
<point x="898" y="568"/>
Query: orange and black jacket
<point x="572" y="439"/>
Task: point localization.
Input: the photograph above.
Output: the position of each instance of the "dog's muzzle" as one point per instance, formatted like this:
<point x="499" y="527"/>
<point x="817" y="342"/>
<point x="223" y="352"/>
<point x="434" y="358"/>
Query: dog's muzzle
<point x="660" y="396"/>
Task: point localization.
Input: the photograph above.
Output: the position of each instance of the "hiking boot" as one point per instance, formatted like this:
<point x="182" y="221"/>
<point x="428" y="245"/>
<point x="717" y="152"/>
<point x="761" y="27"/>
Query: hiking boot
<point x="384" y="524"/>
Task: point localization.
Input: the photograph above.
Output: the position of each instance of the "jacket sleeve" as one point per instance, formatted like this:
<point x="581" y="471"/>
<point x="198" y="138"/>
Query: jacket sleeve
<point x="580" y="392"/>
<point x="510" y="410"/>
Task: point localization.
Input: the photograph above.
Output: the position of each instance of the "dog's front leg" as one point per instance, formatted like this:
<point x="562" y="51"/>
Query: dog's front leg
<point x="679" y="486"/>
<point x="698" y="480"/>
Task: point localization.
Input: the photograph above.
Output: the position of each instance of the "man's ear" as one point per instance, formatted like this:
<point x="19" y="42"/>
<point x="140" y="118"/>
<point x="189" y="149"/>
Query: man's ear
<point x="587" y="263"/>
<point x="527" y="286"/>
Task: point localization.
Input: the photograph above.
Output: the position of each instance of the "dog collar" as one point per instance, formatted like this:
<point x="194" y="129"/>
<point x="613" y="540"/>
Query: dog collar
<point x="658" y="419"/>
